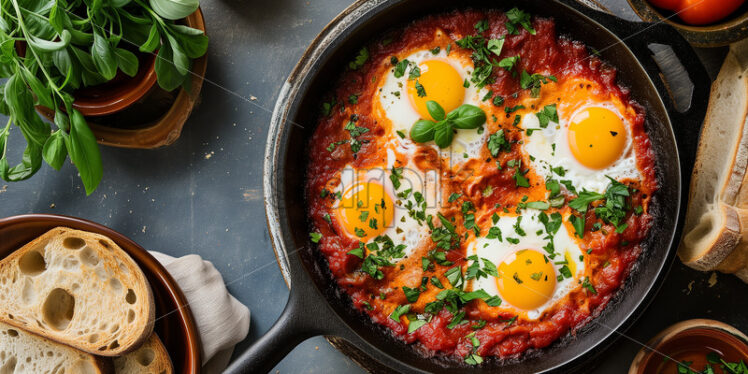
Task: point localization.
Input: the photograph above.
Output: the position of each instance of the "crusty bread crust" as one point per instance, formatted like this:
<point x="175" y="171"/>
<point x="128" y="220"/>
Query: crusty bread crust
<point x="24" y="352"/>
<point x="704" y="252"/>
<point x="151" y="357"/>
<point x="715" y="234"/>
<point x="79" y="289"/>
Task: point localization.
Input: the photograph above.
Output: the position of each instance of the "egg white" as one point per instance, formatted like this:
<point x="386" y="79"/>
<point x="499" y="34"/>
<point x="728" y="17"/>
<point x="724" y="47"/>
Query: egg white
<point x="535" y="238"/>
<point x="394" y="99"/>
<point x="540" y="146"/>
<point x="404" y="229"/>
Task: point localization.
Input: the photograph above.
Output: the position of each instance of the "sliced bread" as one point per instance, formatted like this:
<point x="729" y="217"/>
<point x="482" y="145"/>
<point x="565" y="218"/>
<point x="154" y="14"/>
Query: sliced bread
<point x="79" y="289"/>
<point x="22" y="352"/>
<point x="150" y="358"/>
<point x="717" y="215"/>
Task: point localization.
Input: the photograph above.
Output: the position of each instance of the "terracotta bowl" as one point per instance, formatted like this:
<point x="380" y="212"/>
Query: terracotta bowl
<point x="154" y="119"/>
<point x="729" y="30"/>
<point x="690" y="341"/>
<point x="119" y="93"/>
<point x="174" y="322"/>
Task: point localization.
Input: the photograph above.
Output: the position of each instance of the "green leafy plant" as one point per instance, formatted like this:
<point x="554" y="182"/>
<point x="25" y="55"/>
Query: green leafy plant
<point x="51" y="48"/>
<point x="466" y="116"/>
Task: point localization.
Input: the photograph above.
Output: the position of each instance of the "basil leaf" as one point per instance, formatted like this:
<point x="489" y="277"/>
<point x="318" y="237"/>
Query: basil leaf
<point x="57" y="18"/>
<point x="30" y="163"/>
<point x="49" y="46"/>
<point x="119" y="3"/>
<point x="422" y="131"/>
<point x="174" y="9"/>
<point x="435" y="110"/>
<point x="84" y="152"/>
<point x="194" y="42"/>
<point x="63" y="62"/>
<point x="469" y="117"/>
<point x="153" y="41"/>
<point x="62" y="121"/>
<point x="127" y="61"/>
<point x="21" y="105"/>
<point x="103" y="57"/>
<point x="54" y="151"/>
<point x="43" y="94"/>
<point x="180" y="59"/>
<point x="443" y="134"/>
<point x="168" y="76"/>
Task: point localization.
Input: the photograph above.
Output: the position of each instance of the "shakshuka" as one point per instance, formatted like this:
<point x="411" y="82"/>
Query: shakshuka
<point x="478" y="184"/>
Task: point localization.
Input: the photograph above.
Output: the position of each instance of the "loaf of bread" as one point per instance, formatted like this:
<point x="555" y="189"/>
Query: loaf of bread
<point x="80" y="289"/>
<point x="22" y="352"/>
<point x="716" y="230"/>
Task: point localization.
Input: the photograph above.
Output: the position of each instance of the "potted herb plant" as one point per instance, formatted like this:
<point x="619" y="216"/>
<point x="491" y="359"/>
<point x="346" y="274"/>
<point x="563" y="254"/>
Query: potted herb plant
<point x="52" y="49"/>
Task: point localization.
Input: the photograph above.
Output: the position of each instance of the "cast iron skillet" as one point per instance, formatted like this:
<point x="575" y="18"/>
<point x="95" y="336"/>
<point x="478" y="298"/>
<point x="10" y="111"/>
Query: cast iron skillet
<point x="316" y="306"/>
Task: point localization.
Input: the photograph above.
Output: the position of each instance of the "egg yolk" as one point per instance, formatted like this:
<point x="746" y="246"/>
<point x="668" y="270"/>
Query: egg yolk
<point x="596" y="137"/>
<point x="439" y="82"/>
<point x="365" y="210"/>
<point x="527" y="279"/>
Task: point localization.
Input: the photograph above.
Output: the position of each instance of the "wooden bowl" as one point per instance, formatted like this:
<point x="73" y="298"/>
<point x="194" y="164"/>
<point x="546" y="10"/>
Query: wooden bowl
<point x="174" y="322"/>
<point x="729" y="30"/>
<point x="693" y="338"/>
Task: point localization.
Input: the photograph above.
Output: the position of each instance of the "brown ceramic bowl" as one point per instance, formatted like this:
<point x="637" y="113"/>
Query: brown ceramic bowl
<point x="731" y="29"/>
<point x="155" y="119"/>
<point x="165" y="126"/>
<point x="174" y="322"/>
<point x="690" y="341"/>
<point x="119" y="93"/>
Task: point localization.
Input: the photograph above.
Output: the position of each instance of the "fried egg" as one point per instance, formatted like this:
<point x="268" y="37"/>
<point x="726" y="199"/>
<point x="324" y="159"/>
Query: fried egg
<point x="370" y="205"/>
<point x="440" y="77"/>
<point x="531" y="279"/>
<point x="591" y="141"/>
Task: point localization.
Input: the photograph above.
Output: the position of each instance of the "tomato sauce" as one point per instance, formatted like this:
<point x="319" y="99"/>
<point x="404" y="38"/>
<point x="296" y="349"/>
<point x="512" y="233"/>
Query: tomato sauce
<point x="609" y="255"/>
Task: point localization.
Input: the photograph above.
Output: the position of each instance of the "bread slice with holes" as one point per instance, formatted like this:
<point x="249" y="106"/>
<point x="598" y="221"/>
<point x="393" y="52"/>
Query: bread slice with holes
<point x="79" y="289"/>
<point x="150" y="358"/>
<point x="23" y="352"/>
<point x="716" y="230"/>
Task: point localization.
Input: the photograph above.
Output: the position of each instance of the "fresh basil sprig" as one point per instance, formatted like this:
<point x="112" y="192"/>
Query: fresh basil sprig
<point x="69" y="44"/>
<point x="465" y="117"/>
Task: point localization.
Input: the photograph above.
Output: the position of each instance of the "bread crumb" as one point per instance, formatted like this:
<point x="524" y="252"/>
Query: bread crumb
<point x="712" y="279"/>
<point x="51" y="206"/>
<point x="143" y="230"/>
<point x="5" y="188"/>
<point x="209" y="155"/>
<point x="253" y="98"/>
<point x="316" y="348"/>
<point x="690" y="287"/>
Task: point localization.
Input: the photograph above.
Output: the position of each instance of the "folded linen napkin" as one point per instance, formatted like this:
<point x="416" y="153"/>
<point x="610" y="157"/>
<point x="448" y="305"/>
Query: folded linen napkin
<point x="221" y="319"/>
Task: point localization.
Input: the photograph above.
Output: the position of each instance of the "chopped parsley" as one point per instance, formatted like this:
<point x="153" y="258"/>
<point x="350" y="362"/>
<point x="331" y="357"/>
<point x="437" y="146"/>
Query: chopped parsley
<point x="533" y="82"/>
<point x="497" y="143"/>
<point x="315" y="237"/>
<point x="400" y="68"/>
<point x="588" y="285"/>
<point x="399" y="311"/>
<point x="517" y="17"/>
<point x="548" y="114"/>
<point x="360" y="59"/>
<point x="419" y="89"/>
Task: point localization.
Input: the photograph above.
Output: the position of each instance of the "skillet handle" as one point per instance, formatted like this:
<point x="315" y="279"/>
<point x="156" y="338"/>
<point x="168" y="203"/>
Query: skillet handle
<point x="306" y="314"/>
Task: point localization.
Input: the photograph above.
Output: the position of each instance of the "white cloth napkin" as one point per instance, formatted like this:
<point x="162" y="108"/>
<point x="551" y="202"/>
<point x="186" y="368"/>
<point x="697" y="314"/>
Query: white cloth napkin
<point x="221" y="319"/>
